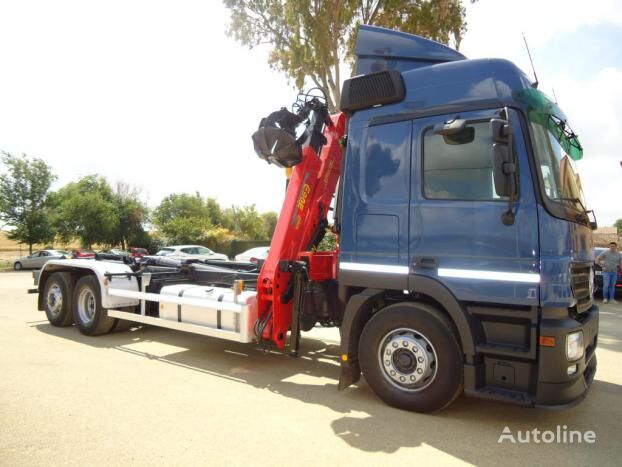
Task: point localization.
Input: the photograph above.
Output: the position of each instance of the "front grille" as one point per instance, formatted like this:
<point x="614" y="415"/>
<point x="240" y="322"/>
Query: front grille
<point x="580" y="277"/>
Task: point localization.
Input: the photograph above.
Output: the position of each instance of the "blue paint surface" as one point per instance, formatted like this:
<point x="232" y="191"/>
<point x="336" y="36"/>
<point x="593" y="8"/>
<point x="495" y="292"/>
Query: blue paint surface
<point x="386" y="216"/>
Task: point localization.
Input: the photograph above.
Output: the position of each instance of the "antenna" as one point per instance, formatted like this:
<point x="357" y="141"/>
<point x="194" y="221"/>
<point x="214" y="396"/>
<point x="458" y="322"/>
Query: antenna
<point x="554" y="95"/>
<point x="535" y="84"/>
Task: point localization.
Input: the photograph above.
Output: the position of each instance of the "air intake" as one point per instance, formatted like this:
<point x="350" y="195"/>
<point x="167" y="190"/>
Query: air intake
<point x="362" y="92"/>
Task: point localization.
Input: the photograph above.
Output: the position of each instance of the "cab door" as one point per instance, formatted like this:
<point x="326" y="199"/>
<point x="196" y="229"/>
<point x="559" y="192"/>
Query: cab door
<point x="456" y="233"/>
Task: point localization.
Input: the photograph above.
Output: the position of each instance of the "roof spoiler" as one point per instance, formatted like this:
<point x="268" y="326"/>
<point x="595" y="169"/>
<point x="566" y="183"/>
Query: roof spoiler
<point x="379" y="49"/>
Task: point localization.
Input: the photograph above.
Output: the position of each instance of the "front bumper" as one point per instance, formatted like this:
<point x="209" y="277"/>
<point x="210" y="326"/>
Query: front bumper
<point x="555" y="389"/>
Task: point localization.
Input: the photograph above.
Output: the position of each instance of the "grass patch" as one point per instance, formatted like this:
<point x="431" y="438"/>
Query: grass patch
<point x="4" y="264"/>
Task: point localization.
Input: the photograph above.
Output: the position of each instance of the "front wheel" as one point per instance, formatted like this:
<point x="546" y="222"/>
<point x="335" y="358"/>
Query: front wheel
<point x="17" y="266"/>
<point x="89" y="315"/>
<point x="411" y="358"/>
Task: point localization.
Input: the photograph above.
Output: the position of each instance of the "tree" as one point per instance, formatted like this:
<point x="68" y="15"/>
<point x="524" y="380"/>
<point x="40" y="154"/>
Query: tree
<point x="269" y="220"/>
<point x="310" y="39"/>
<point x="132" y="214"/>
<point x="24" y="191"/>
<point x="184" y="218"/>
<point x="87" y="209"/>
<point x="245" y="222"/>
<point x="618" y="225"/>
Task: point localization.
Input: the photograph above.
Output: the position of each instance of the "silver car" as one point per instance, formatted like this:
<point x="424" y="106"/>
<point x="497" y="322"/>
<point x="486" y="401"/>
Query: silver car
<point x="38" y="259"/>
<point x="183" y="252"/>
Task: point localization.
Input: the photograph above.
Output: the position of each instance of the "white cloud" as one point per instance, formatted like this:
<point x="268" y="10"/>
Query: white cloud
<point x="495" y="27"/>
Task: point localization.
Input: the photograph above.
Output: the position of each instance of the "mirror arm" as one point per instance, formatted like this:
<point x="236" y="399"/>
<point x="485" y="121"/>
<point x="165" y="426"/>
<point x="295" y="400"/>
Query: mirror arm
<point x="508" y="217"/>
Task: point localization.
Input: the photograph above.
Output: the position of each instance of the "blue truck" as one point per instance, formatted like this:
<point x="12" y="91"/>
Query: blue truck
<point x="463" y="261"/>
<point x="460" y="197"/>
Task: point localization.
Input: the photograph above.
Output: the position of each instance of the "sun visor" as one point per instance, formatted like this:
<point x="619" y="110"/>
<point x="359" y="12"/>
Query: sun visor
<point x="379" y="49"/>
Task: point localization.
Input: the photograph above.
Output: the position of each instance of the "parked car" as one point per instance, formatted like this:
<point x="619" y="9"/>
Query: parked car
<point x="82" y="253"/>
<point x="138" y="252"/>
<point x="254" y="255"/>
<point x="116" y="251"/>
<point x="38" y="259"/>
<point x="598" y="274"/>
<point x="191" y="252"/>
<point x="114" y="254"/>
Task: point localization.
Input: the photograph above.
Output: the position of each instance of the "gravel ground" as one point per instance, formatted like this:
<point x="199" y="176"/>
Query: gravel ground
<point x="160" y="397"/>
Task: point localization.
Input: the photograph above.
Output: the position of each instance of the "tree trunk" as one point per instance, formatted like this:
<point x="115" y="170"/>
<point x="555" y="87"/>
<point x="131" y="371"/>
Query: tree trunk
<point x="30" y="248"/>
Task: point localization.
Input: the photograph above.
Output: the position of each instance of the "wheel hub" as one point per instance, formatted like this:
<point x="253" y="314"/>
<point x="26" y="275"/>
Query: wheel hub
<point x="86" y="306"/>
<point x="408" y="359"/>
<point x="54" y="299"/>
<point x="404" y="361"/>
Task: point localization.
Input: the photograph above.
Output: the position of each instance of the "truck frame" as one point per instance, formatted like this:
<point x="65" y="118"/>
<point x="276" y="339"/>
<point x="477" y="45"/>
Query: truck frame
<point x="459" y="267"/>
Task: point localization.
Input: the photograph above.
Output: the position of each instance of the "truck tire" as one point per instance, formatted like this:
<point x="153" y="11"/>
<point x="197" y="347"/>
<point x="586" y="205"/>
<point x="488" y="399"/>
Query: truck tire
<point x="56" y="301"/>
<point x="411" y="357"/>
<point x="89" y="315"/>
<point x="123" y="325"/>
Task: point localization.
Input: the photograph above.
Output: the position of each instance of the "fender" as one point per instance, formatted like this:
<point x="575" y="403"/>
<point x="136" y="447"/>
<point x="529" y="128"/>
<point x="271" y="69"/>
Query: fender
<point x="80" y="267"/>
<point x="359" y="310"/>
<point x="357" y="313"/>
<point x="434" y="289"/>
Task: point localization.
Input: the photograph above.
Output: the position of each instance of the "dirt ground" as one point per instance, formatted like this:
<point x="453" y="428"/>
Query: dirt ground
<point x="160" y="397"/>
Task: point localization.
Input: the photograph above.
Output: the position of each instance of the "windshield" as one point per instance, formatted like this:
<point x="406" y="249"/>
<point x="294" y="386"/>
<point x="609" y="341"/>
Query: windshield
<point x="165" y="251"/>
<point x="561" y="182"/>
<point x="556" y="147"/>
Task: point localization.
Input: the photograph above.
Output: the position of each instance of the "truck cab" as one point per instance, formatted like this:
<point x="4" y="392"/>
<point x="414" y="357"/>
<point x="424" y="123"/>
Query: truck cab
<point x="459" y="200"/>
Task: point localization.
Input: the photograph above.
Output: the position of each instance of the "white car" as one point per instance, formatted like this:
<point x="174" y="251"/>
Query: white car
<point x="254" y="254"/>
<point x="191" y="252"/>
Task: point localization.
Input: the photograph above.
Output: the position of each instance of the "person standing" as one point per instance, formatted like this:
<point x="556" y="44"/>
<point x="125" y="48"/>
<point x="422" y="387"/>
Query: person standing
<point x="609" y="261"/>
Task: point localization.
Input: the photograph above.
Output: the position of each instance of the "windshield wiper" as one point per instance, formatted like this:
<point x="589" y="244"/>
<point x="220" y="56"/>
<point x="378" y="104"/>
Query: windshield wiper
<point x="583" y="217"/>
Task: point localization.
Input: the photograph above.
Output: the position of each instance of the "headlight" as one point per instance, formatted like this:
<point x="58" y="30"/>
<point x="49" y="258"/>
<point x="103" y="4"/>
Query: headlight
<point x="574" y="345"/>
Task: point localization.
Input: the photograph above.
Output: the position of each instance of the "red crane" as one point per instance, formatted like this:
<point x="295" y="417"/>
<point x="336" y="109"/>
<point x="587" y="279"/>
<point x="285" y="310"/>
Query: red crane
<point x="316" y="158"/>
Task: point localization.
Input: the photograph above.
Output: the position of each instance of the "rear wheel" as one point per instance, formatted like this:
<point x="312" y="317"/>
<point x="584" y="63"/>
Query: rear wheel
<point x="56" y="301"/>
<point x="89" y="315"/>
<point x="411" y="357"/>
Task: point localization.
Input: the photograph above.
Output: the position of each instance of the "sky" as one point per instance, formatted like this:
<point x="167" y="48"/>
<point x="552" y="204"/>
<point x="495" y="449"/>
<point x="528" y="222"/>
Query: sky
<point x="155" y="94"/>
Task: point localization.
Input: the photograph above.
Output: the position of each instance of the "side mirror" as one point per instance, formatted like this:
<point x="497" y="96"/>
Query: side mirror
<point x="593" y="223"/>
<point x="504" y="165"/>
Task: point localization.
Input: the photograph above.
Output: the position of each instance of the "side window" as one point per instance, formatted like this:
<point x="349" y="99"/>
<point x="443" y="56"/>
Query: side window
<point x="385" y="163"/>
<point x="189" y="251"/>
<point x="459" y="170"/>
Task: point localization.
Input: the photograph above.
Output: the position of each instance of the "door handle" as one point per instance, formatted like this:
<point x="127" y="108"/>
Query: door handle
<point x="425" y="263"/>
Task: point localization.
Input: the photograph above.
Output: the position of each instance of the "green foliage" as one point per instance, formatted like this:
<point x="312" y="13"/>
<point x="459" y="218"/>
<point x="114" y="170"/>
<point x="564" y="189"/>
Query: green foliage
<point x="184" y="218"/>
<point x="24" y="190"/>
<point x="618" y="225"/>
<point x="328" y="243"/>
<point x="311" y="38"/>
<point x="244" y="222"/>
<point x="86" y="209"/>
<point x="132" y="213"/>
<point x="269" y="220"/>
<point x="93" y="212"/>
